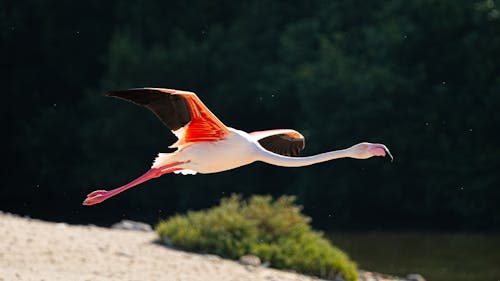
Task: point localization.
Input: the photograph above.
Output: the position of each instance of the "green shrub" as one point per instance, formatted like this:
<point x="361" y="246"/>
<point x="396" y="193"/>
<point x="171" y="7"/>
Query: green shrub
<point x="275" y="231"/>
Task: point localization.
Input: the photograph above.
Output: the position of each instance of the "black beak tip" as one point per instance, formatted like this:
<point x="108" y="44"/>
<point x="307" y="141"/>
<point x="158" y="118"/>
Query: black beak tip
<point x="388" y="153"/>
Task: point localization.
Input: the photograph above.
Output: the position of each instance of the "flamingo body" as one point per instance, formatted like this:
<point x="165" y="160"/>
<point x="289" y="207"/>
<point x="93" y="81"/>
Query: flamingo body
<point x="205" y="145"/>
<point x="214" y="156"/>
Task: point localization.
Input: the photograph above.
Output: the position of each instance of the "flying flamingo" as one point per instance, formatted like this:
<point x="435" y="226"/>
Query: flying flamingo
<point x="205" y="145"/>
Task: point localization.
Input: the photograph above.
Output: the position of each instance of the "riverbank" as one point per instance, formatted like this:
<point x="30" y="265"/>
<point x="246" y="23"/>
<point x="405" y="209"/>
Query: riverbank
<point x="443" y="256"/>
<point x="32" y="249"/>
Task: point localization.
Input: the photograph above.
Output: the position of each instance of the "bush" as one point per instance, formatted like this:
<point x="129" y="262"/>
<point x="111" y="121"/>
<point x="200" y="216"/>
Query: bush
<point x="275" y="231"/>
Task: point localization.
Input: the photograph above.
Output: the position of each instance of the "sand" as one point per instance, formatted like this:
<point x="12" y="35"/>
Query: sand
<point x="36" y="250"/>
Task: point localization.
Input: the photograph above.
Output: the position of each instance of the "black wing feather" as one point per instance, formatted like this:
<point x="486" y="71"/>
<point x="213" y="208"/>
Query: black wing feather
<point x="172" y="110"/>
<point x="283" y="144"/>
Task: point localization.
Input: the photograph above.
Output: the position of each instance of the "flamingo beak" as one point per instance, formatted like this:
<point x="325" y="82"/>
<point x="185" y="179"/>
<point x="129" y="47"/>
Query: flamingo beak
<point x="378" y="149"/>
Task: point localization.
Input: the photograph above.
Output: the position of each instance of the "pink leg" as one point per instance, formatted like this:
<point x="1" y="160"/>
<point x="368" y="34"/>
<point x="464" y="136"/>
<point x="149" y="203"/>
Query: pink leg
<point x="100" y="195"/>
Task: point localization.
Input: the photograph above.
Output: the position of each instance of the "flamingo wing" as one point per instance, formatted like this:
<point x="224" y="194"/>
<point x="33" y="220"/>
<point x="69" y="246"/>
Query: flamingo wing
<point x="182" y="112"/>
<point x="285" y="142"/>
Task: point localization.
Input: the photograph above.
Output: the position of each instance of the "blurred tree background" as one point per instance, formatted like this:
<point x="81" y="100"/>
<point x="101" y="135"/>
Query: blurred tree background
<point x="423" y="77"/>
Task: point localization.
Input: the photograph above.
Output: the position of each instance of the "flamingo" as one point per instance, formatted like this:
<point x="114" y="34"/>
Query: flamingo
<point x="205" y="145"/>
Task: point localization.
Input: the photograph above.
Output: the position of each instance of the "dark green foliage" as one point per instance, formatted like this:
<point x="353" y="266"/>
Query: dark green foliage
<point x="275" y="231"/>
<point x="421" y="76"/>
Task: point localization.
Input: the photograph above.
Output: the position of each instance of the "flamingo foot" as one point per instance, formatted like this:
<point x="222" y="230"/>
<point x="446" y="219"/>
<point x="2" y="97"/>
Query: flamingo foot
<point x="100" y="195"/>
<point x="96" y="197"/>
<point x="96" y="192"/>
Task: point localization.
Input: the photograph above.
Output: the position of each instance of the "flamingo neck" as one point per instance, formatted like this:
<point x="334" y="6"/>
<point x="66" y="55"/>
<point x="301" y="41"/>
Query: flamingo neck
<point x="285" y="161"/>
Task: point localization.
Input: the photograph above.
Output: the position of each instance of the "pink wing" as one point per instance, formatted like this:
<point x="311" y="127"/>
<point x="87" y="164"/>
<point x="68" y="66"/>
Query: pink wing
<point x="183" y="112"/>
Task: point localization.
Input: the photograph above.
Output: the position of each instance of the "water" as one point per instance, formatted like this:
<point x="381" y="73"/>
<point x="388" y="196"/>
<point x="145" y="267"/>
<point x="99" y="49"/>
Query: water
<point x="436" y="256"/>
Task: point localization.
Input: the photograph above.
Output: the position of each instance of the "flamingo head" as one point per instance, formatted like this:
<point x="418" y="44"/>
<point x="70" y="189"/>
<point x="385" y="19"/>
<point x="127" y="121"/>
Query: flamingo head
<point x="366" y="150"/>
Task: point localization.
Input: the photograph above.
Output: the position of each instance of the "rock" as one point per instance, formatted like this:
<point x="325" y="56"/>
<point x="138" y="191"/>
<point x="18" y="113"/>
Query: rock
<point x="61" y="225"/>
<point x="212" y="258"/>
<point x="250" y="260"/>
<point x="132" y="225"/>
<point x="166" y="241"/>
<point x="375" y="276"/>
<point x="415" y="277"/>
<point x="123" y="254"/>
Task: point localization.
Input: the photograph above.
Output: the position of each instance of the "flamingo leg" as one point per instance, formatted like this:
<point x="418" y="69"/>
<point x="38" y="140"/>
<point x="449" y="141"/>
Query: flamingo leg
<point x="100" y="195"/>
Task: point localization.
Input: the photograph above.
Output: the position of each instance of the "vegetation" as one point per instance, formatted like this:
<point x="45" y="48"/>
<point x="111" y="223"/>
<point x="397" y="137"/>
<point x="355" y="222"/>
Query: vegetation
<point x="421" y="76"/>
<point x="275" y="231"/>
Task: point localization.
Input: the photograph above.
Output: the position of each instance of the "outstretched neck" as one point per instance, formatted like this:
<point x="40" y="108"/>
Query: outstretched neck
<point x="285" y="161"/>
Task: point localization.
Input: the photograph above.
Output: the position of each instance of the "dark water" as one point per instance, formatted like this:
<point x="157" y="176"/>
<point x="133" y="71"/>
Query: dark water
<point x="436" y="256"/>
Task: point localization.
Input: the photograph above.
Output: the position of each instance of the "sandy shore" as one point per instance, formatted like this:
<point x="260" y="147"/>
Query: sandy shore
<point x="36" y="250"/>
